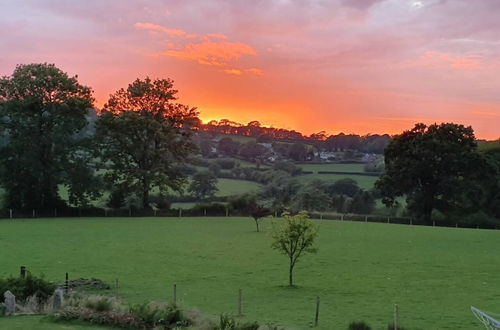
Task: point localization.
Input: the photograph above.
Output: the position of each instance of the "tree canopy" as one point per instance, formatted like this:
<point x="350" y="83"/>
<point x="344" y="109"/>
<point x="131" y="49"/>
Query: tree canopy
<point x="435" y="166"/>
<point x="144" y="137"/>
<point x="42" y="112"/>
<point x="293" y="237"/>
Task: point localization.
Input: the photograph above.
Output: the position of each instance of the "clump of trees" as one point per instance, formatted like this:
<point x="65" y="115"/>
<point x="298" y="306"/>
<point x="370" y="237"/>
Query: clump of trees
<point x="43" y="121"/>
<point x="52" y="138"/>
<point x="439" y="169"/>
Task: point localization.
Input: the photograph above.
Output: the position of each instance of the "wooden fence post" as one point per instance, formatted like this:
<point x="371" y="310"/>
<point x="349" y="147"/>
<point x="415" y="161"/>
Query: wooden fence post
<point x="240" y="303"/>
<point x="66" y="284"/>
<point x="33" y="213"/>
<point x="316" y="316"/>
<point x="10" y="213"/>
<point x="396" y="317"/>
<point x="180" y="213"/>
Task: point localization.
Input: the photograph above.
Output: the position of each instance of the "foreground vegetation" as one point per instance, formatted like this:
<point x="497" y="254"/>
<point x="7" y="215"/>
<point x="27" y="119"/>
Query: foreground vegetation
<point x="360" y="271"/>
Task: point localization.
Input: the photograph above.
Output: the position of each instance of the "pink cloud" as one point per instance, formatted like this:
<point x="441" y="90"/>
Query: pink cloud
<point x="465" y="62"/>
<point x="212" y="53"/>
<point x="162" y="29"/>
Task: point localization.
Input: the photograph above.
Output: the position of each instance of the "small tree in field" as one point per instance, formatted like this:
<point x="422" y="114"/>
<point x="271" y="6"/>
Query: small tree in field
<point x="294" y="237"/>
<point x="257" y="212"/>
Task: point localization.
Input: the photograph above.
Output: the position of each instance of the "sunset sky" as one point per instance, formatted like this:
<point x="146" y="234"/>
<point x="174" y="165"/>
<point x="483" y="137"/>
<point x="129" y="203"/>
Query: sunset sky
<point x="356" y="66"/>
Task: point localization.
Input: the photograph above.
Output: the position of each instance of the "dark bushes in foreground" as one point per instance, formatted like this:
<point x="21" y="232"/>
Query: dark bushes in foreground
<point x="110" y="311"/>
<point x="31" y="285"/>
<point x="359" y="326"/>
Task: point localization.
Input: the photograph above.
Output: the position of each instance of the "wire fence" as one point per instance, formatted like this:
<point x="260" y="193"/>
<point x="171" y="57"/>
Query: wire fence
<point x="6" y="214"/>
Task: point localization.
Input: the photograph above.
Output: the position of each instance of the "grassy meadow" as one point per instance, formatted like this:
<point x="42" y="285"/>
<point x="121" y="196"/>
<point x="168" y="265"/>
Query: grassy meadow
<point x="364" y="181"/>
<point x="360" y="271"/>
<point x="355" y="168"/>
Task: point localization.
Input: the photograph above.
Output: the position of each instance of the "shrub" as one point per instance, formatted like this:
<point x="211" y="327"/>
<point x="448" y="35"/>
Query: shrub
<point x="23" y="288"/>
<point x="226" y="164"/>
<point x="359" y="326"/>
<point x="96" y="303"/>
<point x="210" y="208"/>
<point x="227" y="322"/>
<point x="159" y="314"/>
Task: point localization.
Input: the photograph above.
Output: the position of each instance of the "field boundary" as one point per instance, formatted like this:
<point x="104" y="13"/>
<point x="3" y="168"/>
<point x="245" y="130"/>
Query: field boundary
<point x="8" y="214"/>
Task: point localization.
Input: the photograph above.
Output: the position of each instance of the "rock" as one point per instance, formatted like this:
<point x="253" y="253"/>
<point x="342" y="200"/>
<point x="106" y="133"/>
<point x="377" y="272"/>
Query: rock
<point x="10" y="303"/>
<point x="58" y="299"/>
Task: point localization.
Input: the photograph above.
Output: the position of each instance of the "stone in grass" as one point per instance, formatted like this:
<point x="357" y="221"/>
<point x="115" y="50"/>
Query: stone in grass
<point x="10" y="303"/>
<point x="58" y="299"/>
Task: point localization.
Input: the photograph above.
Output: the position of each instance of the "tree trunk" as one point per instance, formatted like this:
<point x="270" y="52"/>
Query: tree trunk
<point x="145" y="193"/>
<point x="290" y="274"/>
<point x="257" y="224"/>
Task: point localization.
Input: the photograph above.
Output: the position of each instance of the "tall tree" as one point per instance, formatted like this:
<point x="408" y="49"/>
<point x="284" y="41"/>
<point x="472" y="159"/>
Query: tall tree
<point x="434" y="166"/>
<point x="144" y="137"/>
<point x="42" y="113"/>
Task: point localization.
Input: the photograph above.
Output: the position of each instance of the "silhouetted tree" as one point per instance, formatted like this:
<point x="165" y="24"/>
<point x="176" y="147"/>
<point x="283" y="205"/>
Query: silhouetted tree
<point x="434" y="166"/>
<point x="144" y="137"/>
<point x="42" y="117"/>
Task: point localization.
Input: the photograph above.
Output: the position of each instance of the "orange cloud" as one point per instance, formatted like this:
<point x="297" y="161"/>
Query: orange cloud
<point x="162" y="29"/>
<point x="255" y="71"/>
<point x="239" y="72"/>
<point x="215" y="36"/>
<point x="236" y="72"/>
<point x="212" y="53"/>
<point x="434" y="58"/>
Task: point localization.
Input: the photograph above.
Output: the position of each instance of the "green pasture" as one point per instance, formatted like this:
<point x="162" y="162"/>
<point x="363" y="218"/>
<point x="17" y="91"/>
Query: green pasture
<point x="360" y="271"/>
<point x="364" y="181"/>
<point x="356" y="168"/>
<point x="228" y="187"/>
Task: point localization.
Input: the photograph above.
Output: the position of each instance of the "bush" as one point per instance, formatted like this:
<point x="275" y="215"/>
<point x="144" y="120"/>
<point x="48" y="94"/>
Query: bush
<point x="23" y="288"/>
<point x="110" y="311"/>
<point x="155" y="314"/>
<point x="359" y="326"/>
<point x="226" y="164"/>
<point x="227" y="322"/>
<point x="213" y="209"/>
<point x="96" y="303"/>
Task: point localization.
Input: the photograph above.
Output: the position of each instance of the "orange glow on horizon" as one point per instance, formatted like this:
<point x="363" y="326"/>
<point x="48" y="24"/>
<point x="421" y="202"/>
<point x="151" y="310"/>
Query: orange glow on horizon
<point x="336" y="66"/>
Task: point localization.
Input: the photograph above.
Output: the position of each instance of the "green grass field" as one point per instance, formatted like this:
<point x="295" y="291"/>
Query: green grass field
<point x="228" y="187"/>
<point x="364" y="181"/>
<point x="360" y="272"/>
<point x="357" y="168"/>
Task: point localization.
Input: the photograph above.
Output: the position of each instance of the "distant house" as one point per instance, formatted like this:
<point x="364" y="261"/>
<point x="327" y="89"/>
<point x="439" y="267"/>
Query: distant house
<point x="325" y="155"/>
